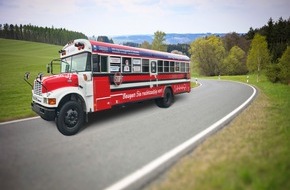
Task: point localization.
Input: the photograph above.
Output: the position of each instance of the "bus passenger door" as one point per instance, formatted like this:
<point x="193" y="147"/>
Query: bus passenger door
<point x="153" y="72"/>
<point x="153" y="67"/>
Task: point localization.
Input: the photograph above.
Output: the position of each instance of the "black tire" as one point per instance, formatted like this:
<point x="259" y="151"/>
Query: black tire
<point x="70" y="118"/>
<point x="167" y="100"/>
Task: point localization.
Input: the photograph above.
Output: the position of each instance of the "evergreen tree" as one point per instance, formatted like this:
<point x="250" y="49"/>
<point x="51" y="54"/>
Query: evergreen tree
<point x="251" y="33"/>
<point x="38" y="34"/>
<point x="103" y="39"/>
<point x="277" y="36"/>
<point x="179" y="47"/>
<point x="131" y="44"/>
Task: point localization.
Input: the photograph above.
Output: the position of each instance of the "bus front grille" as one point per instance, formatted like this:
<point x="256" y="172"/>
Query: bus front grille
<point x="37" y="88"/>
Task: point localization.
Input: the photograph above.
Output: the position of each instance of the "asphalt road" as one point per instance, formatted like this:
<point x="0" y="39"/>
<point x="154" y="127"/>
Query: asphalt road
<point x="114" y="144"/>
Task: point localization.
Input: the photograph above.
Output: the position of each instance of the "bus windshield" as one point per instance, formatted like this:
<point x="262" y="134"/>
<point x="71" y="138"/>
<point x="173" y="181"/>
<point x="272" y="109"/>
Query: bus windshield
<point x="76" y="63"/>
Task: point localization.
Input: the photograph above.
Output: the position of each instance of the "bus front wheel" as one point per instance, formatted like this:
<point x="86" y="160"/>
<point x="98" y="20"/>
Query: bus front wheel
<point x="70" y="118"/>
<point x="167" y="99"/>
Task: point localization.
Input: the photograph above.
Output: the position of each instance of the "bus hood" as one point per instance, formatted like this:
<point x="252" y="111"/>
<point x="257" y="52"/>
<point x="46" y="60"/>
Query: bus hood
<point x="54" y="82"/>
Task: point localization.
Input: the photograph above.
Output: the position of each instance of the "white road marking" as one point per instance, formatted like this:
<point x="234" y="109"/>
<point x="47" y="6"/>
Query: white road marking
<point x="134" y="177"/>
<point x="19" y="120"/>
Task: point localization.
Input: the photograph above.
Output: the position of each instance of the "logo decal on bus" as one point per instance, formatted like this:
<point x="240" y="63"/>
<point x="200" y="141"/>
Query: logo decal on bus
<point x="118" y="78"/>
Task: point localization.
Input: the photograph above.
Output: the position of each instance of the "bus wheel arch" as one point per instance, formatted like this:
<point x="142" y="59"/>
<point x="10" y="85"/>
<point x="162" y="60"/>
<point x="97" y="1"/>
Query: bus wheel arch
<point x="72" y="97"/>
<point x="70" y="114"/>
<point x="167" y="99"/>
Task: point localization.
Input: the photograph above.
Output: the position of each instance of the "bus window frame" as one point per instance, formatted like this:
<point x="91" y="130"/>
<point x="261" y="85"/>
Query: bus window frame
<point x="139" y="65"/>
<point x="142" y="65"/>
<point x="160" y="68"/>
<point x="123" y="64"/>
<point x="116" y="60"/>
<point x="100" y="64"/>
<point x="136" y="65"/>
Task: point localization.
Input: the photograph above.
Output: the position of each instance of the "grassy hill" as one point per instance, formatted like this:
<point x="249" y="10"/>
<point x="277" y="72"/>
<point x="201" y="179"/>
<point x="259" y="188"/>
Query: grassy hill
<point x="16" y="58"/>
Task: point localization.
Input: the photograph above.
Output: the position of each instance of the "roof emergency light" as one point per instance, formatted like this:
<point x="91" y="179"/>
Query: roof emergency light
<point x="63" y="52"/>
<point x="80" y="45"/>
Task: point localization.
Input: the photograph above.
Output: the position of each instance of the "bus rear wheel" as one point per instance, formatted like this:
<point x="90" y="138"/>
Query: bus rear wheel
<point x="70" y="118"/>
<point x="167" y="99"/>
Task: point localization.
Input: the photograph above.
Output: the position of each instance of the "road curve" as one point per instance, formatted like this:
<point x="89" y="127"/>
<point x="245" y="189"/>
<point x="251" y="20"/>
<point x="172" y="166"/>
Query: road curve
<point x="116" y="148"/>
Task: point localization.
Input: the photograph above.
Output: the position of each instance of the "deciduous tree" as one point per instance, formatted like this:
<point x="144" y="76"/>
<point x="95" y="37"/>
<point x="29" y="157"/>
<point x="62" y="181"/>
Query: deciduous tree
<point x="259" y="56"/>
<point x="234" y="39"/>
<point x="208" y="54"/>
<point x="234" y="63"/>
<point x="146" y="45"/>
<point x="284" y="64"/>
<point x="158" y="41"/>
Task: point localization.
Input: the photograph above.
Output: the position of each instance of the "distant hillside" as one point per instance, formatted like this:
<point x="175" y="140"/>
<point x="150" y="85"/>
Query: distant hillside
<point x="170" y="38"/>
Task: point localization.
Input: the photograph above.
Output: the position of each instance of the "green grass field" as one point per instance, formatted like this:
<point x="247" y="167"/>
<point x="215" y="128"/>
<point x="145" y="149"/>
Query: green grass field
<point x="16" y="58"/>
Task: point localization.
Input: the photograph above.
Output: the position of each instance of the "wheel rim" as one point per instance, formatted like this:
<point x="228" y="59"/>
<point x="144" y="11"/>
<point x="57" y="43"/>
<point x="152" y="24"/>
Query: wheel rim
<point x="71" y="118"/>
<point x="167" y="97"/>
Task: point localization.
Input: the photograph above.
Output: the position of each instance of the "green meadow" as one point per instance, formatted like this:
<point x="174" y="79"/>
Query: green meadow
<point x="16" y="58"/>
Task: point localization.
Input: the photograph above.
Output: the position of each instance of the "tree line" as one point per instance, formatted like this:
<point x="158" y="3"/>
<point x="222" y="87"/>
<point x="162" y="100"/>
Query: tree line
<point x="262" y="51"/>
<point x="277" y="35"/>
<point x="57" y="36"/>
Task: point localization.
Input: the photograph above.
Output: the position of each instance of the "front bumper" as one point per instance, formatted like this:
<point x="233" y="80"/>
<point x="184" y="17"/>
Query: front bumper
<point x="46" y="113"/>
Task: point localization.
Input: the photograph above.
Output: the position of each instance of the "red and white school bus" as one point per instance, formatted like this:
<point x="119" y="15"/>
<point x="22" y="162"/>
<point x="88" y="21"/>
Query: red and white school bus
<point x="96" y="76"/>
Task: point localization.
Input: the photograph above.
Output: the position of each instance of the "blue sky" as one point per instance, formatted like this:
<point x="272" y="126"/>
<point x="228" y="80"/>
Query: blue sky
<point x="127" y="17"/>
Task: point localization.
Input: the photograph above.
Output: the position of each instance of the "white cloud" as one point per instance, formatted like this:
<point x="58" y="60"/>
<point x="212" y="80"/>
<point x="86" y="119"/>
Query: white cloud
<point x="112" y="17"/>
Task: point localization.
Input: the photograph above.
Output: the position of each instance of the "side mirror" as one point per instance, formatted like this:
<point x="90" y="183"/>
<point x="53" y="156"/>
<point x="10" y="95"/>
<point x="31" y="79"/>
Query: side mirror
<point x="48" y="68"/>
<point x="27" y="75"/>
<point x="40" y="76"/>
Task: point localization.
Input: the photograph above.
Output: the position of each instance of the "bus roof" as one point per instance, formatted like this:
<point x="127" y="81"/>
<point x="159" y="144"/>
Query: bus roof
<point x="102" y="47"/>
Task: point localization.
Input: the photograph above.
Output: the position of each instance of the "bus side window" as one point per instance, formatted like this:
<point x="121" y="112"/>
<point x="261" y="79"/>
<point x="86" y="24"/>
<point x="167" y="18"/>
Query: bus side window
<point x="126" y="64"/>
<point x="177" y="67"/>
<point x="171" y="66"/>
<point x="187" y="67"/>
<point x="182" y="67"/>
<point x="160" y="66"/>
<point x="89" y="63"/>
<point x="96" y="64"/>
<point x="136" y="68"/>
<point x="166" y="66"/>
<point x="104" y="64"/>
<point x="115" y="64"/>
<point x="145" y="65"/>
